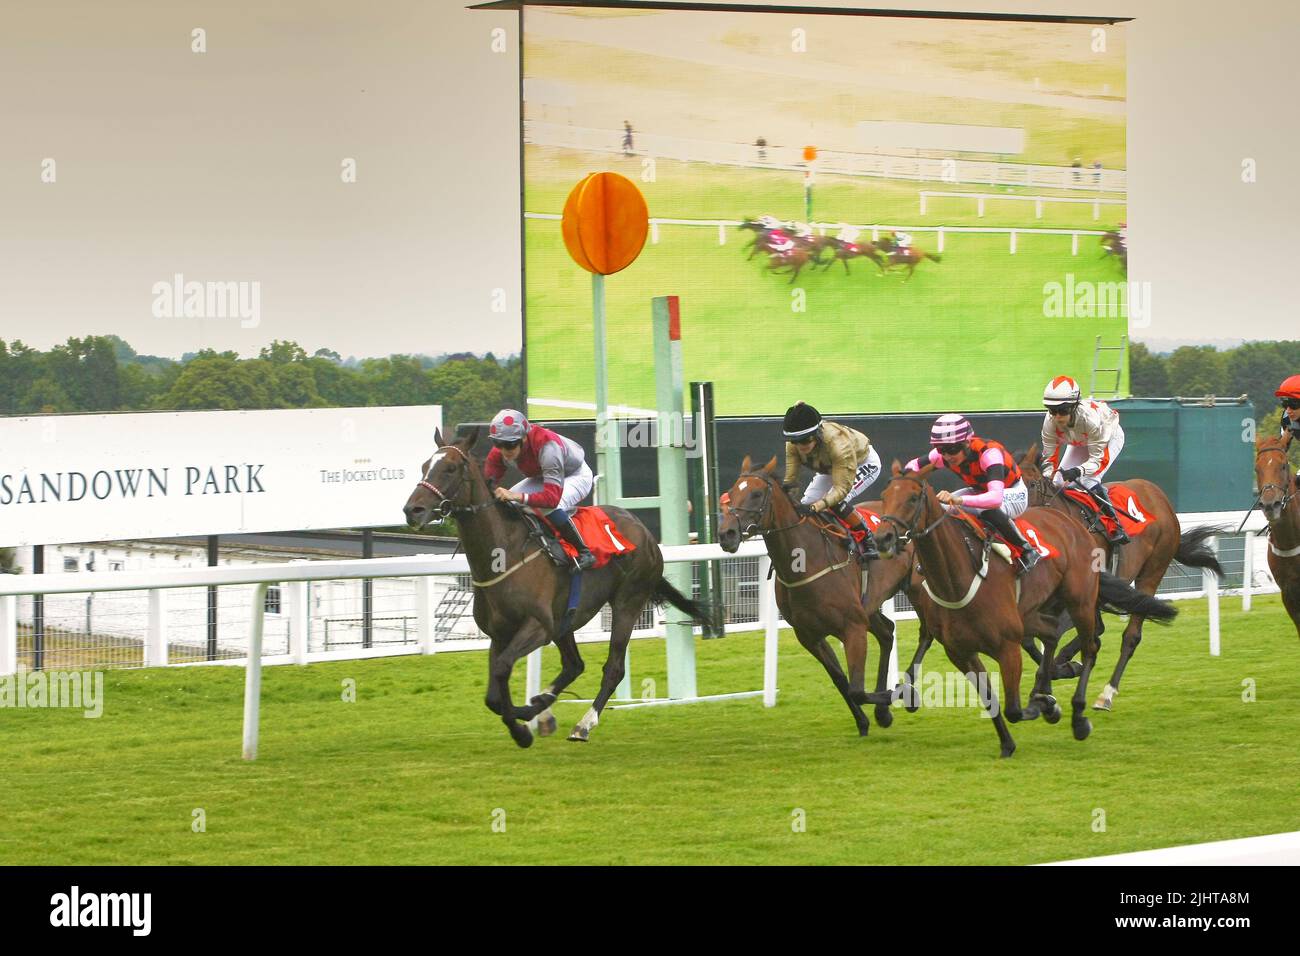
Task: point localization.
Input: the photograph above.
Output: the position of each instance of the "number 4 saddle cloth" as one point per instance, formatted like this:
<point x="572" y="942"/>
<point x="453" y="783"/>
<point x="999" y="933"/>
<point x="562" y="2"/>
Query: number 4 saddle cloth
<point x="1132" y="515"/>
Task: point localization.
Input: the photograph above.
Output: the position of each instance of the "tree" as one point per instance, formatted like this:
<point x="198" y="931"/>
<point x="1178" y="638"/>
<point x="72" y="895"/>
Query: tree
<point x="219" y="382"/>
<point x="282" y="353"/>
<point x="1197" y="370"/>
<point x="1148" y="375"/>
<point x="1256" y="369"/>
<point x="329" y="354"/>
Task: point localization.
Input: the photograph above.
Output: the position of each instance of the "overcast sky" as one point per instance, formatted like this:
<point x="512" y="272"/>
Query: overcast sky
<point x="225" y="166"/>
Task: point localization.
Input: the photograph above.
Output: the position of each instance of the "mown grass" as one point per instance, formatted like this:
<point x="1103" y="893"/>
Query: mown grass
<point x="413" y="771"/>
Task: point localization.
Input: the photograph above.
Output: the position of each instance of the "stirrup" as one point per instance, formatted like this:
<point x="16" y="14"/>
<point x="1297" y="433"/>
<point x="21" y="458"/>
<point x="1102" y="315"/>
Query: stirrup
<point x="1027" y="562"/>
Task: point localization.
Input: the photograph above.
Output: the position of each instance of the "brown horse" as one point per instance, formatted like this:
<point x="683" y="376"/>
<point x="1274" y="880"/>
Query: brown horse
<point x="819" y="586"/>
<point x="1278" y="501"/>
<point x="981" y="606"/>
<point x="910" y="256"/>
<point x="842" y="251"/>
<point x="793" y="259"/>
<point x="1142" y="562"/>
<point x="521" y="603"/>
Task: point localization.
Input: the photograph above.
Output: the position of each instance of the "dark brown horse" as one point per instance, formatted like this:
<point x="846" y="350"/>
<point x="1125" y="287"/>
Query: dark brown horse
<point x="982" y="607"/>
<point x="842" y="252"/>
<point x="1113" y="245"/>
<point x="520" y="602"/>
<point x="1142" y="562"/>
<point x="819" y="586"/>
<point x="1278" y="501"/>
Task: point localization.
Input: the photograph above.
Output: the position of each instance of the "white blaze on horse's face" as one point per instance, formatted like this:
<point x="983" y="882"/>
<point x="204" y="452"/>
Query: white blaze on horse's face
<point x="438" y="455"/>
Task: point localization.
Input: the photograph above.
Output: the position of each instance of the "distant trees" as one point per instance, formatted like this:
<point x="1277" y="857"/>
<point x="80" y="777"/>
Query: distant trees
<point x="104" y="373"/>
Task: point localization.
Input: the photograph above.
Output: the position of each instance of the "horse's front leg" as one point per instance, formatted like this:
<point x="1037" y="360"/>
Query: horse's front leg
<point x="531" y="636"/>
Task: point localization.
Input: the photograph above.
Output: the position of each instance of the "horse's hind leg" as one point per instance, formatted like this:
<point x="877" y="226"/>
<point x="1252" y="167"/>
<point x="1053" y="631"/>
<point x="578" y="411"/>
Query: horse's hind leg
<point x="1147" y="583"/>
<point x="571" y="667"/>
<point x="626" y="612"/>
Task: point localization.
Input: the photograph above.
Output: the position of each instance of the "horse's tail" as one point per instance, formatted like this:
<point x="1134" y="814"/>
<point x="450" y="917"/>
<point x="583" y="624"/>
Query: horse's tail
<point x="1195" y="553"/>
<point x="934" y="257"/>
<point x="708" y="616"/>
<point x="1120" y="597"/>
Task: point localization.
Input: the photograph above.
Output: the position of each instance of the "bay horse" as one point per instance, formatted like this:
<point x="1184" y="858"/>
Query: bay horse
<point x="819" y="586"/>
<point x="1142" y="562"/>
<point x="520" y="603"/>
<point x="982" y="607"/>
<point x="842" y="251"/>
<point x="910" y="256"/>
<point x="1113" y="245"/>
<point x="1278" y="501"/>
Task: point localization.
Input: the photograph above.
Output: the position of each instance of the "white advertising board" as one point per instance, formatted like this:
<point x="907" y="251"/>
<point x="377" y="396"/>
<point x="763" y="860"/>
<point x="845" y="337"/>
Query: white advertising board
<point x="77" y="478"/>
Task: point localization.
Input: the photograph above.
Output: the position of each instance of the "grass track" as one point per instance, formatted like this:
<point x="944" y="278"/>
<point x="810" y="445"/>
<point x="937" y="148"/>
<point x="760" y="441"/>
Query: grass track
<point x="412" y="771"/>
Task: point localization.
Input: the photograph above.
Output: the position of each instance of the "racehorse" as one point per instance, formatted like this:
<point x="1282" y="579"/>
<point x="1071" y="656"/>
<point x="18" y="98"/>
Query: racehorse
<point x="819" y="586"/>
<point x="909" y="256"/>
<point x="761" y="237"/>
<point x="1277" y="499"/>
<point x="793" y="259"/>
<point x="842" y="251"/>
<point x="1142" y="562"/>
<point x="1113" y="245"/>
<point x="521" y="603"/>
<point x="982" y="607"/>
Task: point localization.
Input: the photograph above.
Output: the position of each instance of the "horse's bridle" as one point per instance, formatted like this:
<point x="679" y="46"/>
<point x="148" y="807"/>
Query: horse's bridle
<point x="760" y="511"/>
<point x="445" y="507"/>
<point x="1287" y="493"/>
<point x="907" y="531"/>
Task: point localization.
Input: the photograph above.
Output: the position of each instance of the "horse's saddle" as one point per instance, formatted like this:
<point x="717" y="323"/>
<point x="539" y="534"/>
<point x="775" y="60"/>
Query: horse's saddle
<point x="1132" y="515"/>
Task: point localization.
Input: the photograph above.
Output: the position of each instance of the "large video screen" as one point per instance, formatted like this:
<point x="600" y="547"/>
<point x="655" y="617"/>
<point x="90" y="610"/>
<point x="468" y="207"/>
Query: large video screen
<point x="870" y="214"/>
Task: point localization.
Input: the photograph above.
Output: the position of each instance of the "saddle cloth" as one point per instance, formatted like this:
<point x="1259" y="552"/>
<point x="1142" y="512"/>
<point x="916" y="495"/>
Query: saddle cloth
<point x="599" y="531"/>
<point x="1132" y="515"/>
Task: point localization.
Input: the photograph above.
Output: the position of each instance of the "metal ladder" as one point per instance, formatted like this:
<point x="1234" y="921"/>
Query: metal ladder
<point x="451" y="608"/>
<point x="1099" y="389"/>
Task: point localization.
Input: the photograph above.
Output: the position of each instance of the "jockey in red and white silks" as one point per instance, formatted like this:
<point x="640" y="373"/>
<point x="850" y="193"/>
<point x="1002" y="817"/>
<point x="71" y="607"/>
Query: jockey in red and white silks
<point x="1081" y="440"/>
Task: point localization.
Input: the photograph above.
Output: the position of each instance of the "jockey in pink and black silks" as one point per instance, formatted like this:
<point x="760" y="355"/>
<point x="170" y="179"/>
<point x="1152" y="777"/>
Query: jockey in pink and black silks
<point x="556" y="475"/>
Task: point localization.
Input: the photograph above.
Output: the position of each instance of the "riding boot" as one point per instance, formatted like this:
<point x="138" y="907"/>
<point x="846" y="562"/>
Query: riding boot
<point x="563" y="522"/>
<point x="1102" y="497"/>
<point x="998" y="518"/>
<point x="866" y="548"/>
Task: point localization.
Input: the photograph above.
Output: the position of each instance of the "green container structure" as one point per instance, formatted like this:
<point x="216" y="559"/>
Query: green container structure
<point x="1200" y="451"/>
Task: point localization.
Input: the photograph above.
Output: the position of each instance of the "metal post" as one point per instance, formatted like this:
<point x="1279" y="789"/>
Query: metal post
<point x="253" y="673"/>
<point x="706" y="485"/>
<point x="608" y="463"/>
<point x="296" y="595"/>
<point x="38" y="611"/>
<point x="213" y="558"/>
<point x="533" y="679"/>
<point x="367" y="591"/>
<point x="424" y="608"/>
<point x="8" y="634"/>
<point x="674" y="526"/>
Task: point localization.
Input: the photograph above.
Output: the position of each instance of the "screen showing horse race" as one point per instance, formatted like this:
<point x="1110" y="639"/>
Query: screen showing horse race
<point x="867" y="213"/>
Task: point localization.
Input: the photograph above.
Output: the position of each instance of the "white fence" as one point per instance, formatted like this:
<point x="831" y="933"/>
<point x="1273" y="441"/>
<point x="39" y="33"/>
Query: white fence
<point x="981" y="198"/>
<point x="940" y="233"/>
<point x="790" y="158"/>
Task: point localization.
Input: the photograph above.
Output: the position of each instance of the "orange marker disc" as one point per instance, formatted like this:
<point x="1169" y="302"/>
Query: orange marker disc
<point x="605" y="223"/>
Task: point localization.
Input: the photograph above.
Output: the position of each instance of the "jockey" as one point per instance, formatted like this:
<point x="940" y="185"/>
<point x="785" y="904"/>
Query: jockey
<point x="770" y="223"/>
<point x="994" y="488"/>
<point x="1081" y="440"/>
<point x="849" y="235"/>
<point x="1122" y="232"/>
<point x="902" y="241"/>
<point x="1288" y="394"/>
<point x="556" y="475"/>
<point x="801" y="230"/>
<point x="845" y="463"/>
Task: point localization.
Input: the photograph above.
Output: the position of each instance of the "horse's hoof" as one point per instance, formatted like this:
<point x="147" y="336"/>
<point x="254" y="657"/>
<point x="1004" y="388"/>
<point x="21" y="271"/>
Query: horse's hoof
<point x="1053" y="714"/>
<point x="863" y="729"/>
<point x="546" y="725"/>
<point x="1008" y="749"/>
<point x="522" y="735"/>
<point x="884" y="716"/>
<point x="579" y="735"/>
<point x="1102" y="703"/>
<point x="542" y="701"/>
<point x="910" y="696"/>
<point x="1082" y="728"/>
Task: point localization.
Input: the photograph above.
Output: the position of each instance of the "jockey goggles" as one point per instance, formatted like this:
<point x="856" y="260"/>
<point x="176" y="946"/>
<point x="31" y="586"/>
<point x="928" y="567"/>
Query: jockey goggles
<point x="1290" y="403"/>
<point x="950" y="449"/>
<point x="507" y="445"/>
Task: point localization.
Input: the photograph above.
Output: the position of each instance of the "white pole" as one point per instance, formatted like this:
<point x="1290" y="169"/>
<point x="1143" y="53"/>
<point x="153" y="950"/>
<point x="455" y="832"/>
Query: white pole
<point x="1074" y="244"/>
<point x="1013" y="242"/>
<point x="979" y="203"/>
<point x="424" y="613"/>
<point x="8" y="634"/>
<point x="940" y="232"/>
<point x="297" y="599"/>
<point x="1212" y="591"/>
<point x="155" y="645"/>
<point x="1038" y="207"/>
<point x="722" y="234"/>
<point x="767" y="614"/>
<point x="922" y="203"/>
<point x="533" y="680"/>
<point x="253" y="673"/>
<point x="889" y="610"/>
<point x="1247" y="570"/>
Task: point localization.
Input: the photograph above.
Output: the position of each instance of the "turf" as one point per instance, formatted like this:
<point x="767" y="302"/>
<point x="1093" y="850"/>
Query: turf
<point x="413" y="771"/>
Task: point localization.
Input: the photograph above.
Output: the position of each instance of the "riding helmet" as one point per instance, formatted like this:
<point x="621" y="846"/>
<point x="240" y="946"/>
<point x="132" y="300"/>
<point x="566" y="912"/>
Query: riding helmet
<point x="801" y="421"/>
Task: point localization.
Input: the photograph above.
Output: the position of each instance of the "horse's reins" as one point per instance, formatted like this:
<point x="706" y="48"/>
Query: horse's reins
<point x="446" y="508"/>
<point x="1287" y="494"/>
<point x="907" y="532"/>
<point x="761" y="511"/>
